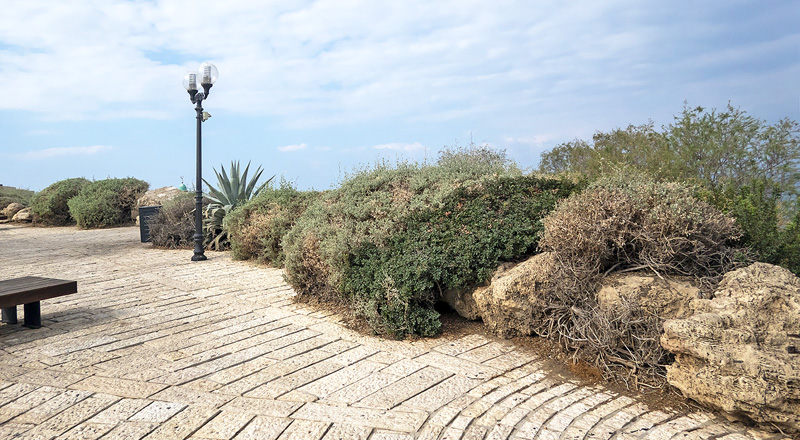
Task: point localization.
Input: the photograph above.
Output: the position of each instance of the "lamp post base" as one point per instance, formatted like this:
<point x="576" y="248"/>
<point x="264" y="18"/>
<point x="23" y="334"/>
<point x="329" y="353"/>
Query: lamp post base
<point x="199" y="257"/>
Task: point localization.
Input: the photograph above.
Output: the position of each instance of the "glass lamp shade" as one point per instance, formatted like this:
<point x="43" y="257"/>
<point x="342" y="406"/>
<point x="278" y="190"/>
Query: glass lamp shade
<point x="190" y="81"/>
<point x="207" y="73"/>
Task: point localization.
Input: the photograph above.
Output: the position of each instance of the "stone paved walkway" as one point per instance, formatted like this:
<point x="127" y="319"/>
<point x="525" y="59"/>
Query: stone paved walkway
<point x="154" y="346"/>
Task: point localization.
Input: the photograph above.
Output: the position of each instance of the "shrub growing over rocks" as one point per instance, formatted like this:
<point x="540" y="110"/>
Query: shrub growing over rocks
<point x="9" y="195"/>
<point x="392" y="240"/>
<point x="106" y="202"/>
<point x="49" y="206"/>
<point x="628" y="222"/>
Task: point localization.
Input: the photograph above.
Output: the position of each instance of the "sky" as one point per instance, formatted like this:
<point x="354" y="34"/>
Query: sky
<point x="311" y="90"/>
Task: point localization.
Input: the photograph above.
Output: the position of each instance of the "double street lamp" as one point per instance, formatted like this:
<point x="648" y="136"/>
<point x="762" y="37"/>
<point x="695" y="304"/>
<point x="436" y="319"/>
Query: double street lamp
<point x="207" y="74"/>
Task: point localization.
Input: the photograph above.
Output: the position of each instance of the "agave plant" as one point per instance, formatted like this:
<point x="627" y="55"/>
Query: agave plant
<point x="231" y="192"/>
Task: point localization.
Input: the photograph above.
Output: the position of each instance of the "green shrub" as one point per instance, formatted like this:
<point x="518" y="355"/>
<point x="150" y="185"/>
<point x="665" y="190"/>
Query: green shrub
<point x="457" y="245"/>
<point x="256" y="229"/>
<point x="106" y="202"/>
<point x="9" y="195"/>
<point x="173" y="226"/>
<point x="790" y="247"/>
<point x="49" y="206"/>
<point x="392" y="237"/>
<point x="627" y="222"/>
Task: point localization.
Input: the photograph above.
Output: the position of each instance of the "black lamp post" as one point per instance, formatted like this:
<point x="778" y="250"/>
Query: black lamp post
<point x="208" y="76"/>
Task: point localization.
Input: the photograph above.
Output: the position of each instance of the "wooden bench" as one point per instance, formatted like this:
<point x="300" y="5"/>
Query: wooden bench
<point x="30" y="291"/>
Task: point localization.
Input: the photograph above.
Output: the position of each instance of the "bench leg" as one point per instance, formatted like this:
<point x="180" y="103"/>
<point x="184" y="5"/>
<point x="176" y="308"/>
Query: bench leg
<point x="9" y="315"/>
<point x="33" y="315"/>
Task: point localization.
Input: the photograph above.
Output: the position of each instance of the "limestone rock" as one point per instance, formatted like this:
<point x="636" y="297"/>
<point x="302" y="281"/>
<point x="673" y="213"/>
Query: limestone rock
<point x="23" y="215"/>
<point x="665" y="298"/>
<point x="513" y="303"/>
<point x="12" y="209"/>
<point x="154" y="197"/>
<point x="740" y="351"/>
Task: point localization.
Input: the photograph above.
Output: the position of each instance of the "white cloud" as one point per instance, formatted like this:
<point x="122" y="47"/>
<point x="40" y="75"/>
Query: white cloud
<point x="416" y="146"/>
<point x="312" y="64"/>
<point x="65" y="151"/>
<point x="293" y="147"/>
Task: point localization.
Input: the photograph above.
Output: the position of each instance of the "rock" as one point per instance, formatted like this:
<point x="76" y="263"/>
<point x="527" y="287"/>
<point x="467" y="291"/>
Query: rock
<point x="740" y="351"/>
<point x="513" y="303"/>
<point x="666" y="298"/>
<point x="23" y="215"/>
<point x="12" y="209"/>
<point x="463" y="302"/>
<point x="155" y="197"/>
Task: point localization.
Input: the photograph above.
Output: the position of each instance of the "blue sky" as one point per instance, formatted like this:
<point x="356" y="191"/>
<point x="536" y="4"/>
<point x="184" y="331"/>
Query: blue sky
<point x="312" y="89"/>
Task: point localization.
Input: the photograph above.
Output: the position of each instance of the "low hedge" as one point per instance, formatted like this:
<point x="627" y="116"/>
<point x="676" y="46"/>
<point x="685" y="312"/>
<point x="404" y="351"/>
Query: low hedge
<point x="391" y="238"/>
<point x="257" y="228"/>
<point x="49" y="206"/>
<point x="106" y="202"/>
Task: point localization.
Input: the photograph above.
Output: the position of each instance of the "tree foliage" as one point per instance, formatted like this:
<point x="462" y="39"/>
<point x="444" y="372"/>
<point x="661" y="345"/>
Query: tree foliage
<point x="744" y="166"/>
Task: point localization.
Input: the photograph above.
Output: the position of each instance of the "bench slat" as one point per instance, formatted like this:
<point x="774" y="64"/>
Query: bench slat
<point x="30" y="289"/>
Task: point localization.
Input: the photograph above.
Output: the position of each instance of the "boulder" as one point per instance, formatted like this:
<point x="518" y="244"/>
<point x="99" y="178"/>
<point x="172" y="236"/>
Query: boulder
<point x="666" y="298"/>
<point x="740" y="351"/>
<point x="513" y="302"/>
<point x="12" y="209"/>
<point x="23" y="215"/>
<point x="155" y="197"/>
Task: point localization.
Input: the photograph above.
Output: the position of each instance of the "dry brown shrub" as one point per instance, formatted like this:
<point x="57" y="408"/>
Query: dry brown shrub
<point x="626" y="223"/>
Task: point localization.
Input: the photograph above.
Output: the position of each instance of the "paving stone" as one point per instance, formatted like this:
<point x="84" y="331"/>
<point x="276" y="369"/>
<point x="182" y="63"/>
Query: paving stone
<point x="455" y="365"/>
<point x="404" y="389"/>
<point x="188" y="396"/>
<point x="51" y="407"/>
<point x="341" y="378"/>
<point x="86" y="431"/>
<point x="50" y="377"/>
<point x="339" y="431"/>
<point x="72" y="416"/>
<point x="120" y="411"/>
<point x="304" y="430"/>
<point x="263" y="428"/>
<point x="157" y="412"/>
<point x="402" y="421"/>
<point x="264" y="407"/>
<point x="224" y="426"/>
<point x="184" y="423"/>
<point x="119" y="387"/>
<point x="441" y="394"/>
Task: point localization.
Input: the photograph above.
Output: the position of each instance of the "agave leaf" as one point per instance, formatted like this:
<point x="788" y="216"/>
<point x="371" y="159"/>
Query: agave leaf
<point x="242" y="193"/>
<point x="234" y="191"/>
<point x="251" y="185"/>
<point x="224" y="183"/>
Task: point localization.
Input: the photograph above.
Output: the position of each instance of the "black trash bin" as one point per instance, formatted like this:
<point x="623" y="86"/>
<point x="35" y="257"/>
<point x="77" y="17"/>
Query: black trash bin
<point x="145" y="214"/>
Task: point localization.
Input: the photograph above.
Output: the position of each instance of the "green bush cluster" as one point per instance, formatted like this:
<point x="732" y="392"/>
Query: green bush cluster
<point x="106" y="202"/>
<point x="390" y="239"/>
<point x="9" y="195"/>
<point x="173" y="226"/>
<point x="256" y="229"/>
<point x="50" y="205"/>
<point x="757" y="208"/>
